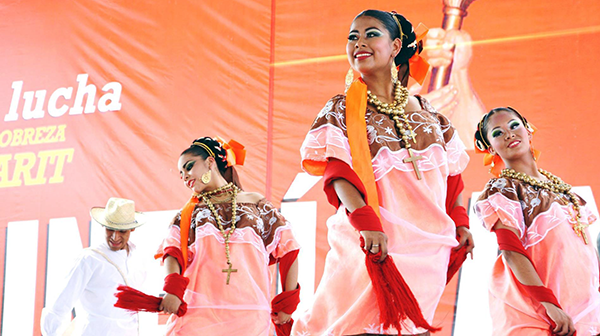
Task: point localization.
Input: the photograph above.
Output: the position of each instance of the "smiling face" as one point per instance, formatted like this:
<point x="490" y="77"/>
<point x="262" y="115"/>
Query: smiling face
<point x="370" y="48"/>
<point x="117" y="240"/>
<point x="508" y="136"/>
<point x="191" y="168"/>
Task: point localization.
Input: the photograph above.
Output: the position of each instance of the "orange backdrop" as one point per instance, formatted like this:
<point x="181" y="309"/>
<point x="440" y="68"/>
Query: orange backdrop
<point x="177" y="70"/>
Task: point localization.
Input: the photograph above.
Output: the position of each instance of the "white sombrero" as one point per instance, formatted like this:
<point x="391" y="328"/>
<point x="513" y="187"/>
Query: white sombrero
<point x="119" y="214"/>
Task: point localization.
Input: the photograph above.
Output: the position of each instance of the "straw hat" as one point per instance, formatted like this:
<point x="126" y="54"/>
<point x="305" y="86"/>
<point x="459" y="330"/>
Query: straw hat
<point x="119" y="214"/>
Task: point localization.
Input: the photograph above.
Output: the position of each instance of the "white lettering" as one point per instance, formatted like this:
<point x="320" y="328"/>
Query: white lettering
<point x="113" y="99"/>
<point x="55" y="111"/>
<point x="38" y="112"/>
<point x="34" y="101"/>
<point x="82" y="90"/>
<point x="12" y="114"/>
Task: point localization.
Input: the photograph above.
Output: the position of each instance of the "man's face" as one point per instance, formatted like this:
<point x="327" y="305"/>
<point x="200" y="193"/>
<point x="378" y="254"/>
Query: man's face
<point x="117" y="240"/>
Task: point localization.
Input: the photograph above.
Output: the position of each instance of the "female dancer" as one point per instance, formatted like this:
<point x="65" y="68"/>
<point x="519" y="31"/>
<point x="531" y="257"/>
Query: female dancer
<point x="547" y="276"/>
<point x="386" y="166"/>
<point x="222" y="243"/>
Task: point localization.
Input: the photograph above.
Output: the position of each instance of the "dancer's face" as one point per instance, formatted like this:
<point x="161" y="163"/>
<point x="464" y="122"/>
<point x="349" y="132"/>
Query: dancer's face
<point x="191" y="168"/>
<point x="508" y="136"/>
<point x="370" y="48"/>
<point x="117" y="240"/>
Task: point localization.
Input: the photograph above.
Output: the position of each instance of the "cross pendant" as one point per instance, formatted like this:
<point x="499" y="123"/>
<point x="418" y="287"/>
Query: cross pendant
<point x="229" y="271"/>
<point x="411" y="134"/>
<point x="413" y="159"/>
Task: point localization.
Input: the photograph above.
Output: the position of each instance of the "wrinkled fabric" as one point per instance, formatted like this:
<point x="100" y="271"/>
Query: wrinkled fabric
<point x="413" y="215"/>
<point x="244" y="306"/>
<point x="564" y="263"/>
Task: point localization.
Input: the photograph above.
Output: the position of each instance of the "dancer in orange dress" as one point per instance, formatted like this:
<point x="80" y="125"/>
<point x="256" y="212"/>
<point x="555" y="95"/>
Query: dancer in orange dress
<point x="546" y="279"/>
<point x="387" y="166"/>
<point x="222" y="243"/>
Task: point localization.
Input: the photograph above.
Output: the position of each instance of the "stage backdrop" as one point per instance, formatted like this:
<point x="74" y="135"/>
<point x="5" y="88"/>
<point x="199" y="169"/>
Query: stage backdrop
<point x="98" y="98"/>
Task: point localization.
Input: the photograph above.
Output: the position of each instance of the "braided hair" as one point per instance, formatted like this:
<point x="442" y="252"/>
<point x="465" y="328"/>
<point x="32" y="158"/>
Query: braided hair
<point x="207" y="146"/>
<point x="481" y="140"/>
<point x="408" y="37"/>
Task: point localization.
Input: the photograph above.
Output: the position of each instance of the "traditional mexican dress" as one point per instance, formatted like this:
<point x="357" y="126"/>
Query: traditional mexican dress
<point x="564" y="263"/>
<point x="243" y="307"/>
<point x="413" y="214"/>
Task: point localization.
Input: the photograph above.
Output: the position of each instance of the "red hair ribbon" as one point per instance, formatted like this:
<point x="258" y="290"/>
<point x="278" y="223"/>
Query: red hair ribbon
<point x="418" y="65"/>
<point x="236" y="152"/>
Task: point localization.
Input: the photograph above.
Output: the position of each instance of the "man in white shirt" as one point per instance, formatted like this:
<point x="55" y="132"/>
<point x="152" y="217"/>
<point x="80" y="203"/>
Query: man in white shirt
<point x="93" y="280"/>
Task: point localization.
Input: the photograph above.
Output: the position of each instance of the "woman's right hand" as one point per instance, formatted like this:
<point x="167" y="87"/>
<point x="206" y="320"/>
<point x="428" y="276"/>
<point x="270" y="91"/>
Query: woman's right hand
<point x="564" y="323"/>
<point x="170" y="304"/>
<point x="375" y="241"/>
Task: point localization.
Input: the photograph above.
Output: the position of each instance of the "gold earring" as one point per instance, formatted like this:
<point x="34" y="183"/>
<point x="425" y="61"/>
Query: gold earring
<point x="394" y="72"/>
<point x="206" y="177"/>
<point x="349" y="78"/>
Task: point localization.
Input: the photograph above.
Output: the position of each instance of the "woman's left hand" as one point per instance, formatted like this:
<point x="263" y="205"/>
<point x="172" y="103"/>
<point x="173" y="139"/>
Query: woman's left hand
<point x="281" y="318"/>
<point x="465" y="238"/>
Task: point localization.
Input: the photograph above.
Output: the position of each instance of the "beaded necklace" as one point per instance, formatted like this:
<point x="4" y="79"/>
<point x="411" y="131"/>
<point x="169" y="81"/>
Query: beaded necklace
<point x="233" y="190"/>
<point x="395" y="111"/>
<point x="556" y="185"/>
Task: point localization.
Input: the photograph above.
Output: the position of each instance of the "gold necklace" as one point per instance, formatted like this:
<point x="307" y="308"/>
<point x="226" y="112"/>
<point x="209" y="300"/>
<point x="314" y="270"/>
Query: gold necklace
<point x="233" y="190"/>
<point x="556" y="185"/>
<point x="395" y="111"/>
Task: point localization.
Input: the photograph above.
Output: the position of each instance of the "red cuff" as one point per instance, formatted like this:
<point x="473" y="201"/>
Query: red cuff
<point x="175" y="252"/>
<point x="508" y="241"/>
<point x="459" y="216"/>
<point x="285" y="263"/>
<point x="176" y="284"/>
<point x="454" y="188"/>
<point x="286" y="302"/>
<point x="337" y="169"/>
<point x="541" y="294"/>
<point x="365" y="219"/>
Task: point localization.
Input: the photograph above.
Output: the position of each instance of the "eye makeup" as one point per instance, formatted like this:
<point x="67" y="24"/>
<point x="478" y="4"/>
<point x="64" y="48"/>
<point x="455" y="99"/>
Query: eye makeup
<point x="513" y="124"/>
<point x="189" y="165"/>
<point x="373" y="32"/>
<point x="496" y="133"/>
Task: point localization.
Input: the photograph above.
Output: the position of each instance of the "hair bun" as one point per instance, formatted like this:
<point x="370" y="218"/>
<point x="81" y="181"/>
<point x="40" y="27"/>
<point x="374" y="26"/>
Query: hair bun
<point x="218" y="152"/>
<point x="409" y="40"/>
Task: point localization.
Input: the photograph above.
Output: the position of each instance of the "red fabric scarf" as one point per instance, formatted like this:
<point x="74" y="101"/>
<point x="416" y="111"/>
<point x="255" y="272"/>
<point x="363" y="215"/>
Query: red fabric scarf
<point x="287" y="301"/>
<point x="508" y="241"/>
<point x="395" y="299"/>
<point x="133" y="300"/>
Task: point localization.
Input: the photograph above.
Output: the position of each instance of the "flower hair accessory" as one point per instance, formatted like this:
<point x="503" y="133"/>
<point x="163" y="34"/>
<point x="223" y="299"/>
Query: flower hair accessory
<point x="236" y="152"/>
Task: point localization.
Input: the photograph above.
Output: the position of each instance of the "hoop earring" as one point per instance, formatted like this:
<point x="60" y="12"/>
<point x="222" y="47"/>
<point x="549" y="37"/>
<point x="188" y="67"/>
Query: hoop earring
<point x="206" y="177"/>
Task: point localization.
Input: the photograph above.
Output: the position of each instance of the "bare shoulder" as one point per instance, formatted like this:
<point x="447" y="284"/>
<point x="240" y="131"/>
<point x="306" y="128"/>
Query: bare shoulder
<point x="413" y="104"/>
<point x="249" y="197"/>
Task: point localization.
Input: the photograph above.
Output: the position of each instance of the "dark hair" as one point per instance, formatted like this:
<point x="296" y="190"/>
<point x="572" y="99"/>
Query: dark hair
<point x="217" y="151"/>
<point x="481" y="140"/>
<point x="409" y="47"/>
